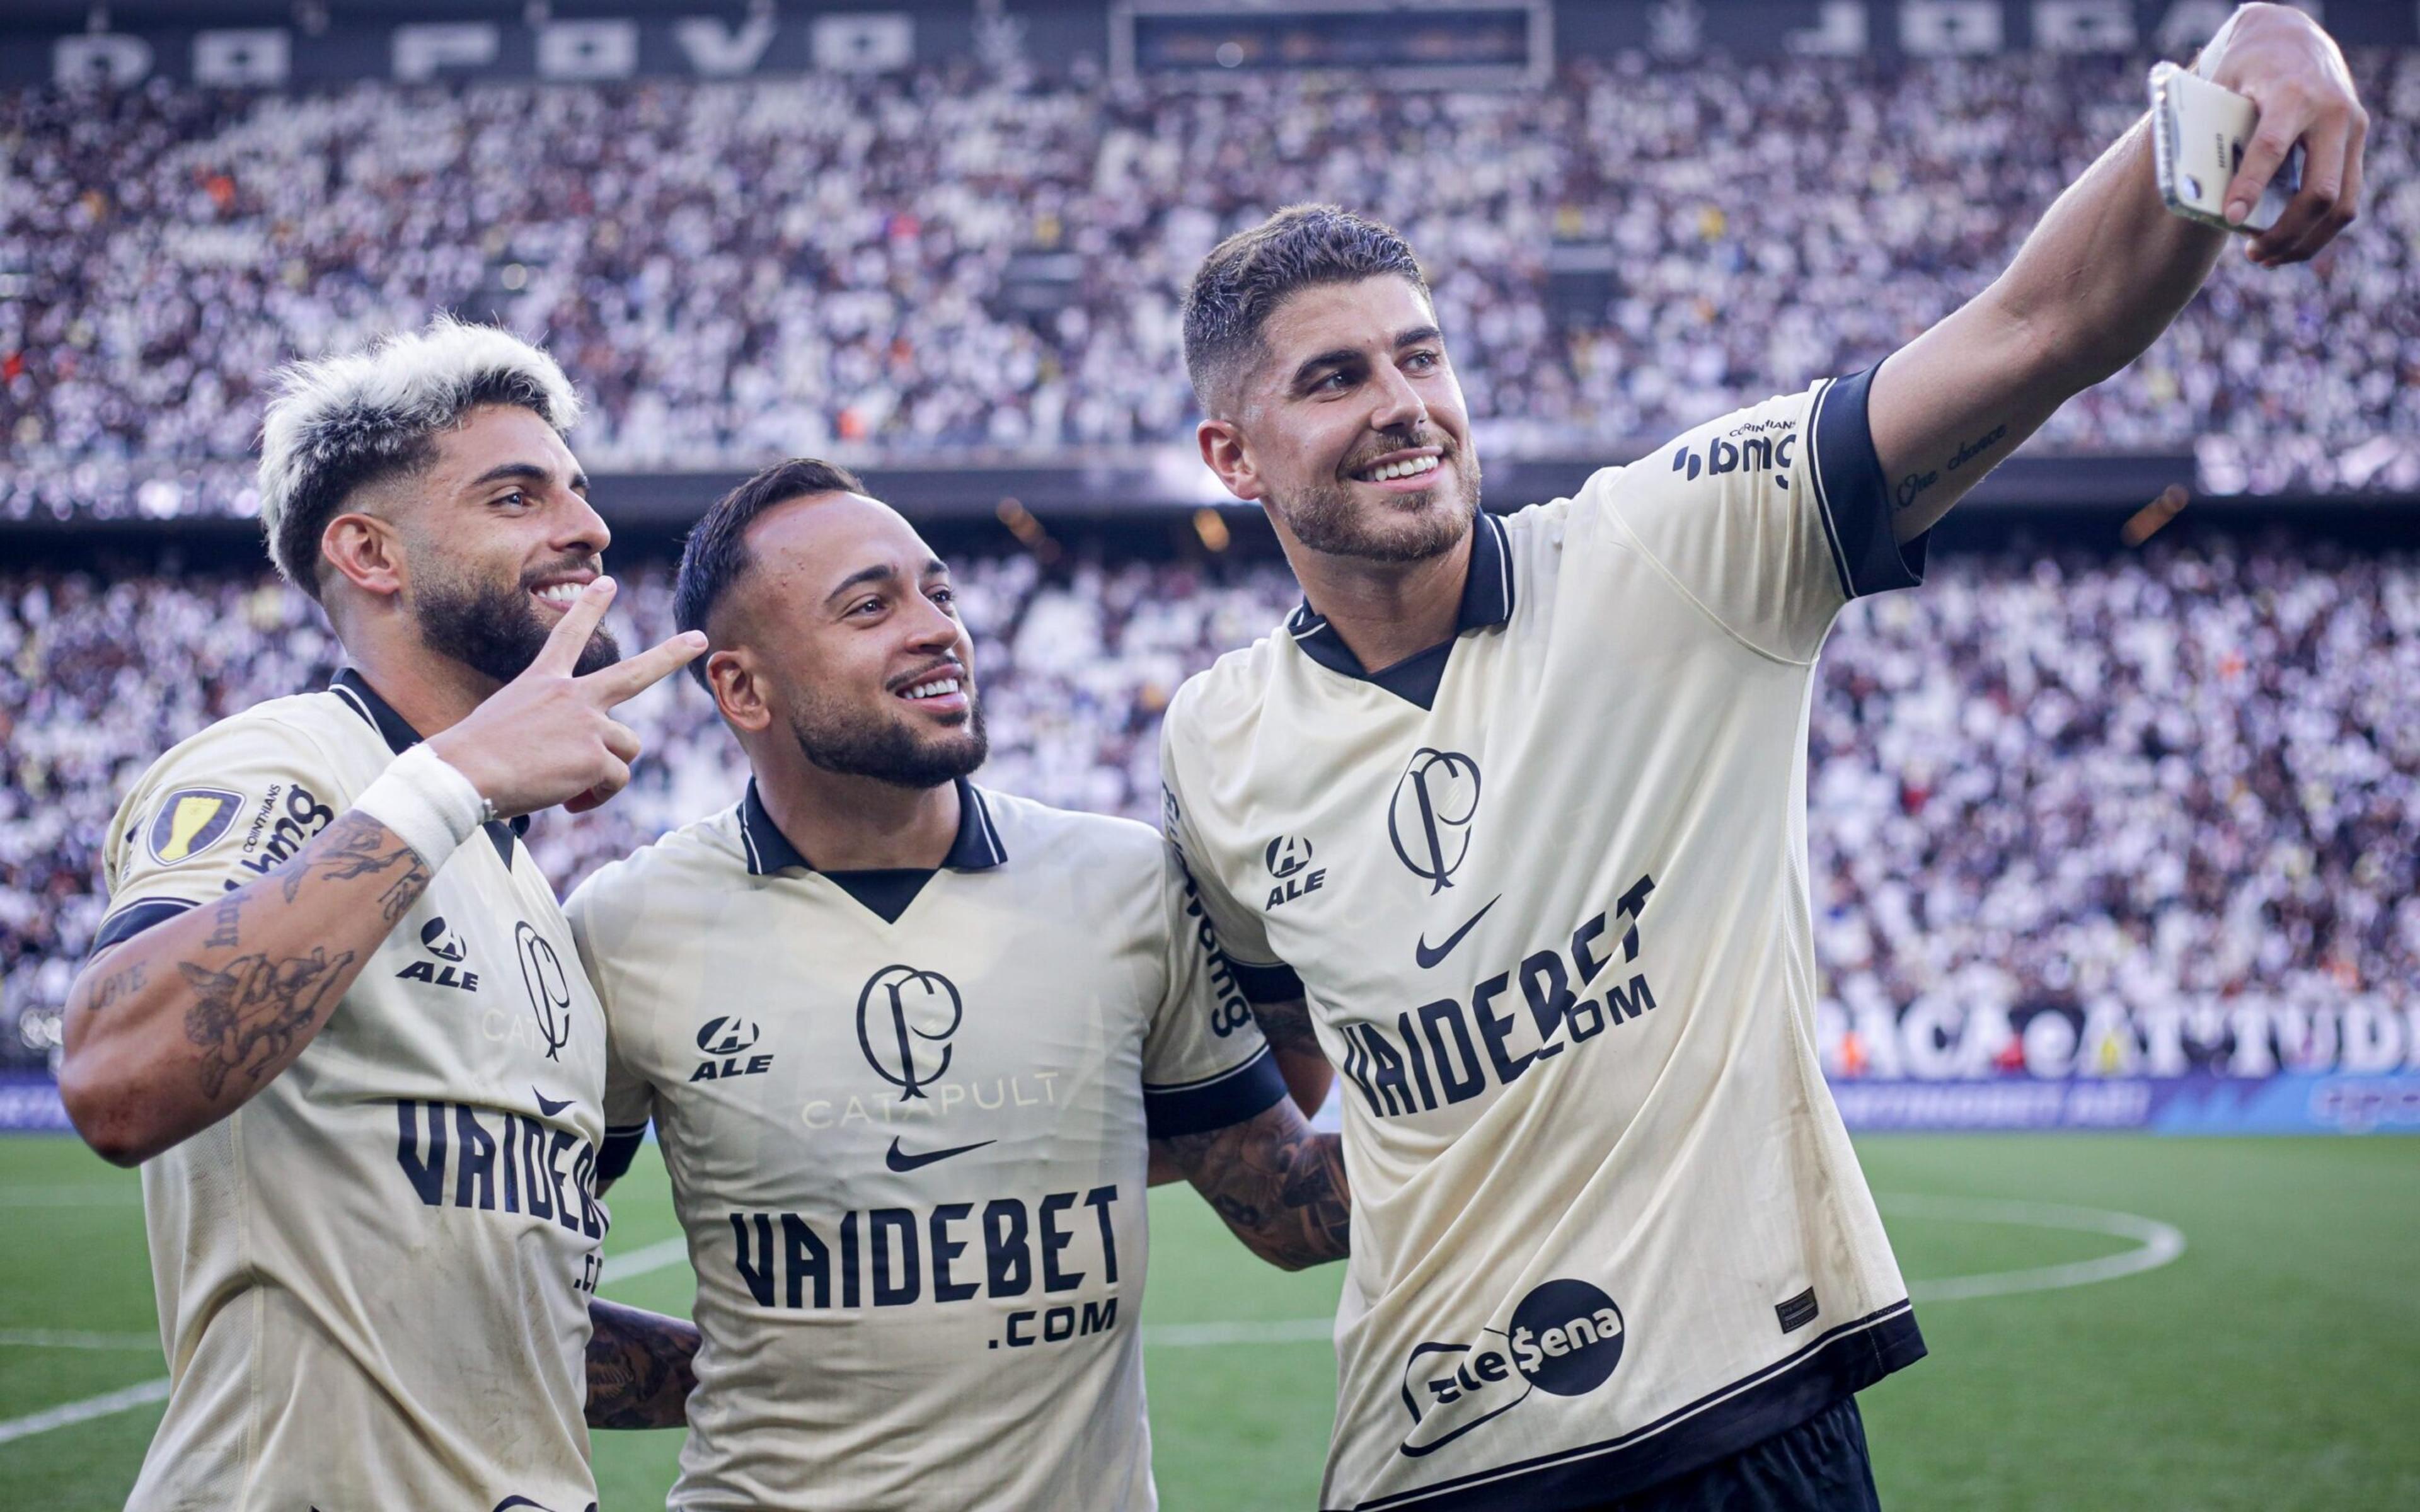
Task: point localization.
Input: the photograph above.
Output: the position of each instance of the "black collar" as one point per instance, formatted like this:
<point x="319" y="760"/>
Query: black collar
<point x="363" y="700"/>
<point x="1486" y="602"/>
<point x="977" y="847"/>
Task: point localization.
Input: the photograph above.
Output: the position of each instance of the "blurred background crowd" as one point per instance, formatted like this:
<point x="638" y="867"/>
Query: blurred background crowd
<point x="2183" y="780"/>
<point x="961" y="263"/>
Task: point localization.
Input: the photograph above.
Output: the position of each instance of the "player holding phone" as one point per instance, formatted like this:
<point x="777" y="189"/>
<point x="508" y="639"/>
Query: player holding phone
<point x="1611" y="1246"/>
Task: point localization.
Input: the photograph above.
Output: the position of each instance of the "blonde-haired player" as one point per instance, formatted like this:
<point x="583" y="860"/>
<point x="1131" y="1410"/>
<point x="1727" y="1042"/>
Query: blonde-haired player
<point x="335" y="1011"/>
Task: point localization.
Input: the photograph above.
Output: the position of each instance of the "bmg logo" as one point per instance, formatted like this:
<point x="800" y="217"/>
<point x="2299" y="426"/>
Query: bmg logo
<point x="1429" y="819"/>
<point x="905" y="1018"/>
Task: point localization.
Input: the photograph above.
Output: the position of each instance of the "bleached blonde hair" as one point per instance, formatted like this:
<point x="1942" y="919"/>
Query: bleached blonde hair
<point x="342" y="421"/>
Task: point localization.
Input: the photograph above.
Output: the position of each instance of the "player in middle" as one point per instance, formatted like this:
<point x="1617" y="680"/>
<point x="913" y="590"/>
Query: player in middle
<point x="908" y="1045"/>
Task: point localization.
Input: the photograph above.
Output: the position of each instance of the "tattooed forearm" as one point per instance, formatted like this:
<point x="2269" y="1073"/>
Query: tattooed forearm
<point x="354" y="846"/>
<point x="1278" y="1185"/>
<point x="1287" y="1024"/>
<point x="246" y="1015"/>
<point x="116" y="987"/>
<point x="641" y="1367"/>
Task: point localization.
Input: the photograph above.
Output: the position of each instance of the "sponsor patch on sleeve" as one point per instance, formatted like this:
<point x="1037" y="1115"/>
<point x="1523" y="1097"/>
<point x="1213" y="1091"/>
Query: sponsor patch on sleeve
<point x="189" y="822"/>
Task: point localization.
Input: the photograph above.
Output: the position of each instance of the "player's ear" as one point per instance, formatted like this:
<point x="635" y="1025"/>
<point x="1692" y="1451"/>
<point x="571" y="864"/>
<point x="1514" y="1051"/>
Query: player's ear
<point x="1224" y="453"/>
<point x="732" y="678"/>
<point x="366" y="551"/>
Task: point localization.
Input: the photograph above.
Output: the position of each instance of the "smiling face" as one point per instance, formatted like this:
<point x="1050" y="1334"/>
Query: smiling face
<point x="498" y="539"/>
<point x="1351" y="428"/>
<point x="845" y="630"/>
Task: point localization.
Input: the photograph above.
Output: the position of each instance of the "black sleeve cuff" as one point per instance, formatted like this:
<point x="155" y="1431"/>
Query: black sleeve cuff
<point x="135" y="919"/>
<point x="1854" y="497"/>
<point x="1233" y="1095"/>
<point x="621" y="1147"/>
<point x="1266" y="984"/>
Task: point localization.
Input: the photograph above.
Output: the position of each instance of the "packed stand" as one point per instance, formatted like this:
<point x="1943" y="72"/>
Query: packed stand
<point x="736" y="271"/>
<point x="2187" y="777"/>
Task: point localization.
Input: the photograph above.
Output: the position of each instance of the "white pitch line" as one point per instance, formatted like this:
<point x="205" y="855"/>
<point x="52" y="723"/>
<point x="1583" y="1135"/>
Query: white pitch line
<point x="1276" y="1331"/>
<point x="57" y="1338"/>
<point x="90" y="1407"/>
<point x="631" y="1264"/>
<point x="2156" y="1244"/>
<point x="626" y="1266"/>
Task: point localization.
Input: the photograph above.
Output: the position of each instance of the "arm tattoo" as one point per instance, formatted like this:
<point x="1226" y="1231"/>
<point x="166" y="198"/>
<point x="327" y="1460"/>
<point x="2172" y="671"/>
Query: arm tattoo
<point x="1913" y="487"/>
<point x="1279" y="1186"/>
<point x="1287" y="1026"/>
<point x="227" y="915"/>
<point x="249" y="1012"/>
<point x="357" y="845"/>
<point x="641" y="1367"/>
<point x="116" y="987"/>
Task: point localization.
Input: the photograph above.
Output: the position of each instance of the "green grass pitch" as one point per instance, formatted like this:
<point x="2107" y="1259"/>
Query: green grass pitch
<point x="2275" y="1364"/>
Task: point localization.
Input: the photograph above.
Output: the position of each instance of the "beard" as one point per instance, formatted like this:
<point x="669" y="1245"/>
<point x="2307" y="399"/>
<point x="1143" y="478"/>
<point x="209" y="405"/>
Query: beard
<point x="494" y="629"/>
<point x="834" y="740"/>
<point x="1414" y="527"/>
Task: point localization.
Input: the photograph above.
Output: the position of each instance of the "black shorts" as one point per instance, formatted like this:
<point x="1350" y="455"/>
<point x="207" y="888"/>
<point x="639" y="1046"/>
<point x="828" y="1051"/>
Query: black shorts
<point x="1818" y="1466"/>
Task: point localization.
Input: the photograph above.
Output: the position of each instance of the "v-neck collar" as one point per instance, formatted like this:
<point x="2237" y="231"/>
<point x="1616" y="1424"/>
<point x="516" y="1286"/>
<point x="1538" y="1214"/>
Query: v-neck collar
<point x="1486" y="602"/>
<point x="885" y="891"/>
<point x="363" y="700"/>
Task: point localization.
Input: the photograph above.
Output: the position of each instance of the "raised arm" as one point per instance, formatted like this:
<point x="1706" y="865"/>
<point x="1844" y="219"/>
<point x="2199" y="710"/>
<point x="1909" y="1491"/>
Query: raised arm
<point x="173" y="1028"/>
<point x="2108" y="268"/>
<point x="1279" y="1186"/>
<point x="641" y="1367"/>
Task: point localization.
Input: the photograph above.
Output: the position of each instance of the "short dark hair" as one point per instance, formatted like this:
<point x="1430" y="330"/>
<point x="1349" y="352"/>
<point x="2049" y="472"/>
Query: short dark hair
<point x="716" y="554"/>
<point x="1245" y="277"/>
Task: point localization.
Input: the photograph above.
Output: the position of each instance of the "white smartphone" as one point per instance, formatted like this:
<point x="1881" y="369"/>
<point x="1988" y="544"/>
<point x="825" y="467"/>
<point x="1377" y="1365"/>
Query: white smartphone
<point x="2198" y="132"/>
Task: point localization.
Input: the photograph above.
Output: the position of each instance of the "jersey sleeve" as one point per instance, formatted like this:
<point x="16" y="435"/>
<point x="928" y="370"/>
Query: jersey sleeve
<point x="1772" y="517"/>
<point x="1204" y="1064"/>
<point x="629" y="1097"/>
<point x="220" y="811"/>
<point x="1245" y="943"/>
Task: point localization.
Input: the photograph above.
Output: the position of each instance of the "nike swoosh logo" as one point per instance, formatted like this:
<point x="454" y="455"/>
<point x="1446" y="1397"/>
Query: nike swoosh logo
<point x="1427" y="957"/>
<point x="548" y="1105"/>
<point x="899" y="1160"/>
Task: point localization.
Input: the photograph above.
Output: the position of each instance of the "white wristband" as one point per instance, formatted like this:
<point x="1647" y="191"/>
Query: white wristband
<point x="426" y="803"/>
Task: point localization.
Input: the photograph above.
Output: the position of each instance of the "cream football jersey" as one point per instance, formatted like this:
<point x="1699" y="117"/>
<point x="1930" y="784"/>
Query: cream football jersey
<point x="373" y="1277"/>
<point x="1545" y="890"/>
<point x="905" y="1117"/>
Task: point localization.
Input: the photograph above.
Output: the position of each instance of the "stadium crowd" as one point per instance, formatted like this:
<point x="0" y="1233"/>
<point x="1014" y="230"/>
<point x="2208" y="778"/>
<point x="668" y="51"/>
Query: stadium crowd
<point x="958" y="263"/>
<point x="2187" y="777"/>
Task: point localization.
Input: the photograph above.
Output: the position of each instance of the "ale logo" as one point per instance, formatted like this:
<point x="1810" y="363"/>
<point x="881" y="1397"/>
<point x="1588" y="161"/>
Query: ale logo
<point x="1285" y="855"/>
<point x="727" y="1036"/>
<point x="1564" y="1338"/>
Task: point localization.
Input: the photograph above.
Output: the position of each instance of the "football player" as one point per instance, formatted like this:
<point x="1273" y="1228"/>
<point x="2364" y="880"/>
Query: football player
<point x="1611" y="1245"/>
<point x="335" y="1011"/>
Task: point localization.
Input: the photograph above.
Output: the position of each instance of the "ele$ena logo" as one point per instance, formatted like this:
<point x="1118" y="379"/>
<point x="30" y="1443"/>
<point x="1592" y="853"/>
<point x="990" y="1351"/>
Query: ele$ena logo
<point x="1564" y="1338"/>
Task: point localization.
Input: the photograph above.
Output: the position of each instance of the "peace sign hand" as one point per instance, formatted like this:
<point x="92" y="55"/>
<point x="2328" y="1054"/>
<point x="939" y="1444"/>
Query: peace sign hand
<point x="546" y="737"/>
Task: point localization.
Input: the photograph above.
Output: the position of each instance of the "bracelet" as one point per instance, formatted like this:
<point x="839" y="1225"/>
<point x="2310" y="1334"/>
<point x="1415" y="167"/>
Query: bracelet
<point x="426" y="803"/>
